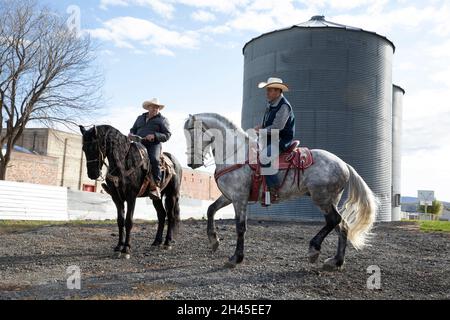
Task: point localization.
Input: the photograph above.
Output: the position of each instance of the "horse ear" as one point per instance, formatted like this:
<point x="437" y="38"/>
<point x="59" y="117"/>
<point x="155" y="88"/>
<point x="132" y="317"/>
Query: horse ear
<point x="82" y="129"/>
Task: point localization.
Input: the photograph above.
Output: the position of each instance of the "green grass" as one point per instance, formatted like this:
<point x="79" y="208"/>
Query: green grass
<point x="434" y="226"/>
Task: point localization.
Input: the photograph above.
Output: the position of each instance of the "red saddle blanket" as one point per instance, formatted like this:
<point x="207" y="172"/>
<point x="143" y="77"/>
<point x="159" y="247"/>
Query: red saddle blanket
<point x="295" y="158"/>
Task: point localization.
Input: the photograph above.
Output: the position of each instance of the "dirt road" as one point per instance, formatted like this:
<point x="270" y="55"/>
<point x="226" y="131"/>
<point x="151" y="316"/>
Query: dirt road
<point x="33" y="264"/>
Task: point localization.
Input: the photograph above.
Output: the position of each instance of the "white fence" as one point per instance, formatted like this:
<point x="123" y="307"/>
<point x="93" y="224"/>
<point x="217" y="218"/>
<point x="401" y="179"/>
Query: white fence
<point x="24" y="201"/>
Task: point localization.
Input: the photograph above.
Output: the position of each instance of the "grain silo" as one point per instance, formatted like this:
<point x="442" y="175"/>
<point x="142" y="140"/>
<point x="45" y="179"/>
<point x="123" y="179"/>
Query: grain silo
<point x="341" y="90"/>
<point x="397" y="110"/>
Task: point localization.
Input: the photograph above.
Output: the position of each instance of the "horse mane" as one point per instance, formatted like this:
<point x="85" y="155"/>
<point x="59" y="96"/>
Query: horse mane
<point x="227" y="122"/>
<point x="107" y="130"/>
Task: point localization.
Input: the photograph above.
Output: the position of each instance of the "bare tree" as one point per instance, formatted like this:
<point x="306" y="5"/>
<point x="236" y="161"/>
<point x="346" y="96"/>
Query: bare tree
<point x="46" y="72"/>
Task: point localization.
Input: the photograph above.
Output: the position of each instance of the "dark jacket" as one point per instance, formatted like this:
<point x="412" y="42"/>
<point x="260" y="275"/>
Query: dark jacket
<point x="158" y="125"/>
<point x="286" y="134"/>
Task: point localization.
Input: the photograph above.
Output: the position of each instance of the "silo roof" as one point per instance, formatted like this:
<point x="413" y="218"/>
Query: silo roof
<point x="400" y="88"/>
<point x="320" y="22"/>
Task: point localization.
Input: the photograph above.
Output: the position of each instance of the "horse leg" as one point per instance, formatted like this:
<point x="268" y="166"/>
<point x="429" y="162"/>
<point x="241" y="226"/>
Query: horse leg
<point x="161" y="212"/>
<point x="337" y="261"/>
<point x="221" y="202"/>
<point x="332" y="219"/>
<point x="121" y="224"/>
<point x="169" y="207"/>
<point x="126" y="251"/>
<point x="240" y="208"/>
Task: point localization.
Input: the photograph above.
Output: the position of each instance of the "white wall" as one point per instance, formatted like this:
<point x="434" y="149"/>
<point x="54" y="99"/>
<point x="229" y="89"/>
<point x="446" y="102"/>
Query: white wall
<point x="24" y="201"/>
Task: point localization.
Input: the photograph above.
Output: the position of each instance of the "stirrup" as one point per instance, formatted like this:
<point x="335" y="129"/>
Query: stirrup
<point x="270" y="197"/>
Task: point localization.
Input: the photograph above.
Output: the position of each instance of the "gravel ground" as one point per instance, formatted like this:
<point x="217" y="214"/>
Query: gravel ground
<point x="414" y="264"/>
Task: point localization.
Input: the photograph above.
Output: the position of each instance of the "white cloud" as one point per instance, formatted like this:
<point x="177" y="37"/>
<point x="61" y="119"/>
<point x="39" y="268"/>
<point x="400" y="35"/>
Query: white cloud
<point x="104" y="4"/>
<point x="215" y="29"/>
<point x="203" y="16"/>
<point x="427" y="170"/>
<point x="164" y="52"/>
<point x="442" y="76"/>
<point x="222" y="6"/>
<point x="129" y="32"/>
<point x="441" y="50"/>
<point x="161" y="7"/>
<point x="266" y="15"/>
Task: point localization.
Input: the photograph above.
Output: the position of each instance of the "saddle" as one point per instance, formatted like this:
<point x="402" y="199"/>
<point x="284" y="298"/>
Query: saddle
<point x="167" y="171"/>
<point x="294" y="158"/>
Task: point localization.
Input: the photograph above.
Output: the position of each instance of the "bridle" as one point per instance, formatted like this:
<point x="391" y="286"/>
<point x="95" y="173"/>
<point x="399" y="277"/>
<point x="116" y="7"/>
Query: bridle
<point x="192" y="154"/>
<point x="101" y="155"/>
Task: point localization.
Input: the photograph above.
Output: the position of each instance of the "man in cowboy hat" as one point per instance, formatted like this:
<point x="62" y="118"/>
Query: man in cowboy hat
<point x="278" y="116"/>
<point x="154" y="128"/>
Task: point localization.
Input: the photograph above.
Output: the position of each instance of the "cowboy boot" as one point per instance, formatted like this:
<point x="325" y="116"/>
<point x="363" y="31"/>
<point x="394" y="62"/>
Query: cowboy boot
<point x="106" y="188"/>
<point x="155" y="190"/>
<point x="271" y="196"/>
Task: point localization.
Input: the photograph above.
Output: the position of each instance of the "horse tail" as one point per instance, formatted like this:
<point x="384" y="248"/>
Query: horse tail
<point x="177" y="220"/>
<point x="359" y="210"/>
<point x="176" y="190"/>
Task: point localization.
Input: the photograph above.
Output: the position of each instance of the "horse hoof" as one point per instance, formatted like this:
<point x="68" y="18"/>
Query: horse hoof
<point x="118" y="255"/>
<point x="234" y="261"/>
<point x="126" y="256"/>
<point x="313" y="255"/>
<point x="331" y="265"/>
<point x="167" y="247"/>
<point x="215" y="246"/>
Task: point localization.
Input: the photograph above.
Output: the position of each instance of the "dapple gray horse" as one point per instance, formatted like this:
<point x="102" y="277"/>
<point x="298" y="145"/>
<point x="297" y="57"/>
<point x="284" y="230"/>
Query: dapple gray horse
<point x="324" y="182"/>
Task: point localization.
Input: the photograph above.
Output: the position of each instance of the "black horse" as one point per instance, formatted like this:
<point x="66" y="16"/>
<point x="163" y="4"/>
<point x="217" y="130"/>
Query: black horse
<point x="127" y="170"/>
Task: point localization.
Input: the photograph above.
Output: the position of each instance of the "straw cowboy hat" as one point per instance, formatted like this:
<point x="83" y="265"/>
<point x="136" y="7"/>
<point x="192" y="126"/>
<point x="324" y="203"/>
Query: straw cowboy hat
<point x="154" y="102"/>
<point x="274" y="83"/>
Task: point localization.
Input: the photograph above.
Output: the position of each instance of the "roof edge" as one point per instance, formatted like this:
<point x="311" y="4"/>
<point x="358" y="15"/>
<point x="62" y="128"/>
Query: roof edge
<point x="398" y="87"/>
<point x="324" y="27"/>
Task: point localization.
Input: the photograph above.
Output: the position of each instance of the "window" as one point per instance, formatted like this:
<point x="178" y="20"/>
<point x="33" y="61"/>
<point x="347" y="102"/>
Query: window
<point x="397" y="200"/>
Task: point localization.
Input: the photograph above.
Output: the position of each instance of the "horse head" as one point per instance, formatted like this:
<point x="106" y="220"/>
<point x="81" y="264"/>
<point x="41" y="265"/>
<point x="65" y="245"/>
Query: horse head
<point x="94" y="151"/>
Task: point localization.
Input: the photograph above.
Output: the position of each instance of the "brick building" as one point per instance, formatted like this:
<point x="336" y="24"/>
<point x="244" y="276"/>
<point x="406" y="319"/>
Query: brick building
<point x="66" y="148"/>
<point x="199" y="185"/>
<point x="32" y="168"/>
<point x="58" y="160"/>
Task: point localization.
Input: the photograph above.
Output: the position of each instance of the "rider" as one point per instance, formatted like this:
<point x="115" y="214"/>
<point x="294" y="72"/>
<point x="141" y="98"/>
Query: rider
<point x="154" y="128"/>
<point x="278" y="116"/>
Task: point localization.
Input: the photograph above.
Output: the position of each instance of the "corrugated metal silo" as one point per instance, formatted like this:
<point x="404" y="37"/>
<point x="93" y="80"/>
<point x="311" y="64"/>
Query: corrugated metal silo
<point x="341" y="90"/>
<point x="397" y="116"/>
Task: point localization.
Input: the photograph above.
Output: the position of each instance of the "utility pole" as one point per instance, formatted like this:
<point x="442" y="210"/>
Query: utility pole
<point x="64" y="163"/>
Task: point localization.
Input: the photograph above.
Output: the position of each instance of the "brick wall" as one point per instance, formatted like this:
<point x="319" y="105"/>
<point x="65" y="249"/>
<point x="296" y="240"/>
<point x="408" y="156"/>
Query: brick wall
<point x="199" y="185"/>
<point x="67" y="147"/>
<point x="32" y="168"/>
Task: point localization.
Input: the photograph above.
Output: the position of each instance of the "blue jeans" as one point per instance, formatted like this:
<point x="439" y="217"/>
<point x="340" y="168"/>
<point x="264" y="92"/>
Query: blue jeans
<point x="271" y="180"/>
<point x="154" y="154"/>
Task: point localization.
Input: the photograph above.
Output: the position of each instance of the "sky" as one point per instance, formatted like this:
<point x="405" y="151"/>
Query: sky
<point x="188" y="53"/>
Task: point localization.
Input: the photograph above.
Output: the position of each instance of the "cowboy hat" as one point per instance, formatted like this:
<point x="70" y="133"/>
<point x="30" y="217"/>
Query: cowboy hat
<point x="274" y="83"/>
<point x="154" y="102"/>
